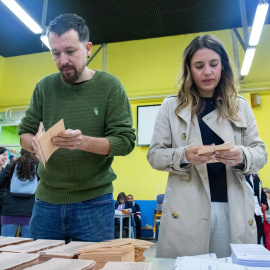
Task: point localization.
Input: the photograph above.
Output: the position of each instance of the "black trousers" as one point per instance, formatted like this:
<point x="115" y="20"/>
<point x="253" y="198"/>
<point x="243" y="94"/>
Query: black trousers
<point x="259" y="224"/>
<point x="138" y="227"/>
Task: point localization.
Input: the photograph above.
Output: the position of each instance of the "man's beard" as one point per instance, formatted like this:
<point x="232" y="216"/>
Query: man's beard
<point x="68" y="78"/>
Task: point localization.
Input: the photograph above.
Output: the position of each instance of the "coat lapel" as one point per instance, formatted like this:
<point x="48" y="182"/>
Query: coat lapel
<point x="193" y="134"/>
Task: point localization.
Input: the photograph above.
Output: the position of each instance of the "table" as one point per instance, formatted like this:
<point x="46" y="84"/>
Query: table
<point x="161" y="264"/>
<point x="121" y="217"/>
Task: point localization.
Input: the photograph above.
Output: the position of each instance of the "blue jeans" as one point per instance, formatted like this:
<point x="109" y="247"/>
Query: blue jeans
<point x="10" y="230"/>
<point x="91" y="220"/>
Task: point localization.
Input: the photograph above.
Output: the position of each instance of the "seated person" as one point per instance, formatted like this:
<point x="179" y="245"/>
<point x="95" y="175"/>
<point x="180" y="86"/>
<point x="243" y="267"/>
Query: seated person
<point x="137" y="216"/>
<point x="267" y="192"/>
<point x="253" y="181"/>
<point x="120" y="205"/>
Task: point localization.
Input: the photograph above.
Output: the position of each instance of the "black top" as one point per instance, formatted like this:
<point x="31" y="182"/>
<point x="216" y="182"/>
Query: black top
<point x="216" y="171"/>
<point x="13" y="206"/>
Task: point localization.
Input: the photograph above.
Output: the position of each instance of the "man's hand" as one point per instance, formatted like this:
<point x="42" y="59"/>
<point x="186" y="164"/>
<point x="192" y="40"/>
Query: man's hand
<point x="70" y="139"/>
<point x="34" y="146"/>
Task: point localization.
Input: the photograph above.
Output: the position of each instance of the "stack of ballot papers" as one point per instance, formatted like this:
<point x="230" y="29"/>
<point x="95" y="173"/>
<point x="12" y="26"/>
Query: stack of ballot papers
<point x="64" y="264"/>
<point x="6" y="241"/>
<point x="32" y="247"/>
<point x="250" y="255"/>
<point x="68" y="251"/>
<point x="139" y="247"/>
<point x="17" y="260"/>
<point x="210" y="256"/>
<point x="107" y="251"/>
<point x="197" y="263"/>
<point x="127" y="266"/>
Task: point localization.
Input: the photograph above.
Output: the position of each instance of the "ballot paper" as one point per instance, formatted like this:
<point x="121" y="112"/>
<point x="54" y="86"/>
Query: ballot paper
<point x="17" y="261"/>
<point x="209" y="256"/>
<point x="127" y="266"/>
<point x="33" y="246"/>
<point x="211" y="149"/>
<point x="68" y="251"/>
<point x="64" y="264"/>
<point x="250" y="255"/>
<point x="7" y="241"/>
<point x="44" y="139"/>
<point x="194" y="263"/>
<point x="226" y="260"/>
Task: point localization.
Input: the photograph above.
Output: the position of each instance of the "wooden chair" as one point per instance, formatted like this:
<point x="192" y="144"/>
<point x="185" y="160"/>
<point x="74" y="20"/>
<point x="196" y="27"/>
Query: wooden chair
<point x="157" y="212"/>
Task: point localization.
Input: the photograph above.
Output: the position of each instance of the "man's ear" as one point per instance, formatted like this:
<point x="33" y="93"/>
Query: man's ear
<point x="88" y="47"/>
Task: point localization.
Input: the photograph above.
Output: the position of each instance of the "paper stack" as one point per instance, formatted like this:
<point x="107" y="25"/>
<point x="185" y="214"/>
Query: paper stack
<point x="250" y="255"/>
<point x="194" y="263"/>
<point x="17" y="261"/>
<point x="32" y="247"/>
<point x="6" y="241"/>
<point x="127" y="266"/>
<point x="68" y="251"/>
<point x="139" y="247"/>
<point x="107" y="251"/>
<point x="209" y="256"/>
<point x="64" y="264"/>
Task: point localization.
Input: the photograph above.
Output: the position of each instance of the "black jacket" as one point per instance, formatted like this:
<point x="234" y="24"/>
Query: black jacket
<point x="256" y="181"/>
<point x="127" y="206"/>
<point x="13" y="206"/>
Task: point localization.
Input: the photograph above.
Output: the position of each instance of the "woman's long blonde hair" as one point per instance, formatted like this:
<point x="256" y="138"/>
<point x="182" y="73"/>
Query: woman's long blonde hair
<point x="225" y="93"/>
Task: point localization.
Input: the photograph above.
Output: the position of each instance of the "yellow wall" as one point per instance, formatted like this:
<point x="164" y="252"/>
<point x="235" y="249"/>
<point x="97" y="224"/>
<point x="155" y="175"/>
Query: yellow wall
<point x="146" y="68"/>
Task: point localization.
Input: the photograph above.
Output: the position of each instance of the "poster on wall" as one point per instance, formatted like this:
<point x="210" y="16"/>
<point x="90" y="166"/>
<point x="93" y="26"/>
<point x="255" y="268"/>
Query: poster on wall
<point x="146" y="116"/>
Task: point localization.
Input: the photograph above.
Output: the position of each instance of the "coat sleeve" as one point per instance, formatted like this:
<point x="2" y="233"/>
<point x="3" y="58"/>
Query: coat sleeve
<point x="252" y="145"/>
<point x="161" y="155"/>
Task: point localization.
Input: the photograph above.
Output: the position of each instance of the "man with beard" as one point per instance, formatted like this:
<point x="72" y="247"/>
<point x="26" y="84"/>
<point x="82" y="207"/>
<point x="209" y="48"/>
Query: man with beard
<point x="74" y="196"/>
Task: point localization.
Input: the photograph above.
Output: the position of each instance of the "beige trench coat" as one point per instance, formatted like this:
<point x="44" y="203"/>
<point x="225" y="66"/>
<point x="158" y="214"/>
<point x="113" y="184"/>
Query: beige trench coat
<point x="184" y="229"/>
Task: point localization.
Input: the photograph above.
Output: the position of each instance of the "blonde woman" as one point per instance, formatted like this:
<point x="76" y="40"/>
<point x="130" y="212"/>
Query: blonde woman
<point x="207" y="206"/>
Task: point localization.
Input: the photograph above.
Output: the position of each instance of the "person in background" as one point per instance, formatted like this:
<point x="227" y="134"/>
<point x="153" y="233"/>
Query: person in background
<point x="137" y="216"/>
<point x="74" y="198"/>
<point x="3" y="159"/>
<point x="12" y="159"/>
<point x="17" y="211"/>
<point x="126" y="207"/>
<point x="254" y="183"/>
<point x="207" y="203"/>
<point x="267" y="192"/>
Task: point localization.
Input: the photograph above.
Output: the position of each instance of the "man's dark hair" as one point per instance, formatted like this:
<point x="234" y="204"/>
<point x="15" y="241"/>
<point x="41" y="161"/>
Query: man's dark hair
<point x="66" y="22"/>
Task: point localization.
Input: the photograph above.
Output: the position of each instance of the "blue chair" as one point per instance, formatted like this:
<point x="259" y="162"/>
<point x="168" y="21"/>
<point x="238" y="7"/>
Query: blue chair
<point x="157" y="212"/>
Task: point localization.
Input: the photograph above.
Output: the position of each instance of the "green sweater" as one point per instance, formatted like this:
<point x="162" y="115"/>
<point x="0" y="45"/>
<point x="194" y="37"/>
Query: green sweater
<point x="99" y="108"/>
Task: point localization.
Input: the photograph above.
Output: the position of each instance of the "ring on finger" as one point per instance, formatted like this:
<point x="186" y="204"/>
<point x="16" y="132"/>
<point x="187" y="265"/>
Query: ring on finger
<point x="232" y="161"/>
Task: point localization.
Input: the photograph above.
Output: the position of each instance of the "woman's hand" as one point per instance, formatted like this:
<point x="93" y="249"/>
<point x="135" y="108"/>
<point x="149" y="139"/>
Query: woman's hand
<point x="230" y="157"/>
<point x="192" y="156"/>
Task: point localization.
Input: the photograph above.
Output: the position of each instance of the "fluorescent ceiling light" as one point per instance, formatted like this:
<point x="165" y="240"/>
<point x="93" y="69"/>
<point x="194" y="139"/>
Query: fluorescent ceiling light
<point x="23" y="16"/>
<point x="247" y="61"/>
<point x="258" y="23"/>
<point x="45" y="40"/>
